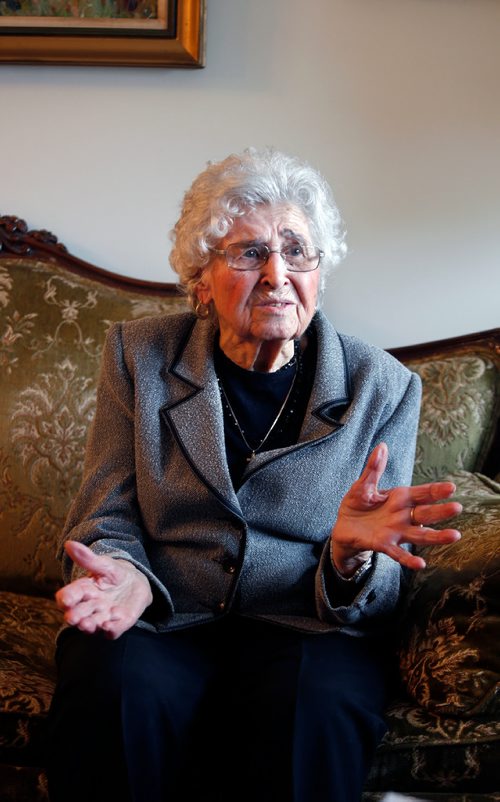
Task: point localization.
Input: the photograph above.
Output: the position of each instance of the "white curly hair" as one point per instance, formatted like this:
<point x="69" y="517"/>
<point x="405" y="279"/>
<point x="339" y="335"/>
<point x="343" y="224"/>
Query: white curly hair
<point x="231" y="188"/>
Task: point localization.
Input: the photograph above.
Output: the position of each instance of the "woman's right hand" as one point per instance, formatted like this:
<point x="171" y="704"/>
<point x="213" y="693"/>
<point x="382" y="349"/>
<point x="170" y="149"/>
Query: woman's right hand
<point x="110" y="599"/>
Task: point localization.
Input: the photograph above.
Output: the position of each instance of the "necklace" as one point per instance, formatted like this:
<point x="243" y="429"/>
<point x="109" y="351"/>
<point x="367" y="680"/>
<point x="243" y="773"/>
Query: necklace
<point x="254" y="449"/>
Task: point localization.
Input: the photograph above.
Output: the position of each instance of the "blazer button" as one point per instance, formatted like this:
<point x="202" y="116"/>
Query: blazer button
<point x="228" y="565"/>
<point x="221" y="606"/>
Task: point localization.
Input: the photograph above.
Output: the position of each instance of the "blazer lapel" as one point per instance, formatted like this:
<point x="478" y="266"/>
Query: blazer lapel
<point x="195" y="414"/>
<point x="331" y="394"/>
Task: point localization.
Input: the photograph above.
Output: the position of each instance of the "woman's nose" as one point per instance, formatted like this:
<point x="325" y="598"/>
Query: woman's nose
<point x="275" y="270"/>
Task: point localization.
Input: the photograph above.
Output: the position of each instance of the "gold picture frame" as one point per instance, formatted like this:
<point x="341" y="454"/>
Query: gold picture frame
<point x="131" y="33"/>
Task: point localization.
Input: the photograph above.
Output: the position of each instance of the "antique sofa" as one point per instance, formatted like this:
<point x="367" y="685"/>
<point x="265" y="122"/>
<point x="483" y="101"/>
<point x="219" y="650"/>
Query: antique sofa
<point x="444" y="730"/>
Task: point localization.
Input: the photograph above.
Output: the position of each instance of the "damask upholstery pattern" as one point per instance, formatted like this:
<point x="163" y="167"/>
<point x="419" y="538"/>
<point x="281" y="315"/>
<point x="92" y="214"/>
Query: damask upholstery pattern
<point x="460" y="403"/>
<point x="427" y="753"/>
<point x="444" y="731"/>
<point x="28" y="629"/>
<point x="52" y="328"/>
<point x="450" y="660"/>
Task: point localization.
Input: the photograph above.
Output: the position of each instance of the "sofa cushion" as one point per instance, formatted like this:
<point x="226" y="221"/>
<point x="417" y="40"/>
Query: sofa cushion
<point x="52" y="327"/>
<point x="450" y="661"/>
<point x="28" y="629"/>
<point x="460" y="405"/>
<point x="25" y="784"/>
<point x="424" y="753"/>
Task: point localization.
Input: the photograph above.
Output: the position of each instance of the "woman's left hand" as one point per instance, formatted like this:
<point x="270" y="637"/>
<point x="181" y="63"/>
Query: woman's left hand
<point x="371" y="520"/>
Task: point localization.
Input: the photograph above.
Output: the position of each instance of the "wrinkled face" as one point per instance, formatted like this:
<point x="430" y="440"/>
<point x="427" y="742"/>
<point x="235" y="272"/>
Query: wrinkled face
<point x="272" y="303"/>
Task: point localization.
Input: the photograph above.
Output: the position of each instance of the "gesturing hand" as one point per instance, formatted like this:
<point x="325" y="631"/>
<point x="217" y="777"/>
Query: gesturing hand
<point x="111" y="598"/>
<point x="370" y="519"/>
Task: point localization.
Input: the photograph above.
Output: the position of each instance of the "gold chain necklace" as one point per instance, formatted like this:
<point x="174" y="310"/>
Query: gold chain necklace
<point x="253" y="451"/>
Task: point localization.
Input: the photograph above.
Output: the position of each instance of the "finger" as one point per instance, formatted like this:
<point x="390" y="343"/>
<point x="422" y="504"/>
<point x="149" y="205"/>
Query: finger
<point x="432" y="491"/>
<point x="426" y="514"/>
<point x="87" y="625"/>
<point x="76" y="592"/>
<point x="366" y="487"/>
<point x="113" y="628"/>
<point x="376" y="464"/>
<point x="422" y="536"/>
<point x="102" y="621"/>
<point x="405" y="557"/>
<point x="92" y="624"/>
<point x="114" y="631"/>
<point x="86" y="559"/>
<point x="75" y="615"/>
<point x="91" y="618"/>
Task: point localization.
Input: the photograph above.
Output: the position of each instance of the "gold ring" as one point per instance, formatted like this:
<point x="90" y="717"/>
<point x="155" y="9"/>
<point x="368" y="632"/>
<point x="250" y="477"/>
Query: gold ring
<point x="412" y="518"/>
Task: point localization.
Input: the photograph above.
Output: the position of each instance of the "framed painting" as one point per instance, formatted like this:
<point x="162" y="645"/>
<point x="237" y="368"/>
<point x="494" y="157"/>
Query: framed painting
<point x="149" y="33"/>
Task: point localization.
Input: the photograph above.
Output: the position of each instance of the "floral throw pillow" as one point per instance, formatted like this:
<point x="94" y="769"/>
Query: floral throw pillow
<point x="450" y="660"/>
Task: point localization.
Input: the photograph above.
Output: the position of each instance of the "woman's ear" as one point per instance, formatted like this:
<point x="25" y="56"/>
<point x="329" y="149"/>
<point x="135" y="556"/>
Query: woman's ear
<point x="203" y="291"/>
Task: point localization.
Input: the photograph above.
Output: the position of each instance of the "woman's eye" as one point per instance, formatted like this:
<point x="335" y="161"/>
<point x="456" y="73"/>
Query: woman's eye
<point x="295" y="250"/>
<point x="250" y="253"/>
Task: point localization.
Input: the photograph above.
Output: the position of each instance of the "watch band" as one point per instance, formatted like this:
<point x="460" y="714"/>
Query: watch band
<point x="358" y="574"/>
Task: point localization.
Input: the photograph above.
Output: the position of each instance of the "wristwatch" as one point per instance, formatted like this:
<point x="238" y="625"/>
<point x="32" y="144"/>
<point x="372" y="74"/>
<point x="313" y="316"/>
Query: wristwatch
<point x="358" y="573"/>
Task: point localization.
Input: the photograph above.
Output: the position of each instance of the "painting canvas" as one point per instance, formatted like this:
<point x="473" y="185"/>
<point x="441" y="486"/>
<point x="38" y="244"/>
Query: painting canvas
<point x="111" y="14"/>
<point x="115" y="32"/>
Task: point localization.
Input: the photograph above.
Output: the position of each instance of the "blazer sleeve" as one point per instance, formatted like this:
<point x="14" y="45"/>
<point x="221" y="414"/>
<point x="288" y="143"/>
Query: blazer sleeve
<point x="105" y="514"/>
<point x="377" y="596"/>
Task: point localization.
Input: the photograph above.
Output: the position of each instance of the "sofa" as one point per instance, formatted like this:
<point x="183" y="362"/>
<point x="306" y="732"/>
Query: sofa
<point x="443" y="741"/>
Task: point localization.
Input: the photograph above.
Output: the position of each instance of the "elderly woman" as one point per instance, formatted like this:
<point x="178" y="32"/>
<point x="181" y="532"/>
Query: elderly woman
<point x="234" y="566"/>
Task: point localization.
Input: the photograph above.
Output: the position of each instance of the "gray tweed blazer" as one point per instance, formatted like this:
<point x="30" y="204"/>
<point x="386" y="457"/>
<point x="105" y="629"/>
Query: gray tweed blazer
<point x="156" y="488"/>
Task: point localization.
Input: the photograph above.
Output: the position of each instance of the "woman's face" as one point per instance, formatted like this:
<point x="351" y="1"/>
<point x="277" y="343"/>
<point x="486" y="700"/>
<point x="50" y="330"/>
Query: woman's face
<point x="270" y="304"/>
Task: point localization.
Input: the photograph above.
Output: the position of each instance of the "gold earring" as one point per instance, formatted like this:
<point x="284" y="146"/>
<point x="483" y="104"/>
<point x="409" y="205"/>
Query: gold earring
<point x="201" y="310"/>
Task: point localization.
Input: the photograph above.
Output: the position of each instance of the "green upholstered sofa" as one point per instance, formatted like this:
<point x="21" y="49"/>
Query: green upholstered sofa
<point x="443" y="741"/>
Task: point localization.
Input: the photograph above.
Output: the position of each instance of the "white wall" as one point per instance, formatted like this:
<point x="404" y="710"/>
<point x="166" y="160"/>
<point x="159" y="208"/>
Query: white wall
<point x="397" y="102"/>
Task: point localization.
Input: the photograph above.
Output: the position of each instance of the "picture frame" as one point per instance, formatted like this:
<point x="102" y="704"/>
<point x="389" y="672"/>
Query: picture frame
<point x="132" y="33"/>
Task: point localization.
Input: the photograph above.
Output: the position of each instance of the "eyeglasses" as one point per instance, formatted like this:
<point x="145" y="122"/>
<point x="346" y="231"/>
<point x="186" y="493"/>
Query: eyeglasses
<point x="299" y="258"/>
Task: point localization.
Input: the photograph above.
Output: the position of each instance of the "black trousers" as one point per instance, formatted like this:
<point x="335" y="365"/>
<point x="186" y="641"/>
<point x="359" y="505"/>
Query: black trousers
<point x="235" y="710"/>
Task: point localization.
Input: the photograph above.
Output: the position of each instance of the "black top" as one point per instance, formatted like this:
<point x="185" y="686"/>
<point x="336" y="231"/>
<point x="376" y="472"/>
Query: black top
<point x="255" y="398"/>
